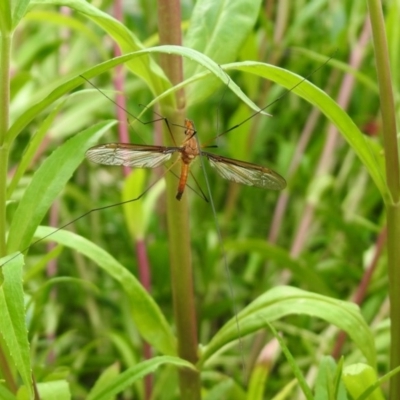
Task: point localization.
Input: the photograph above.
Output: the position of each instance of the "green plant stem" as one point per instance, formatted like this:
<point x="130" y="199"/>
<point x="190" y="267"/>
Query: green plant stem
<point x="3" y="199"/>
<point x="169" y="22"/>
<point x="393" y="183"/>
<point x="386" y="99"/>
<point x="393" y="228"/>
<point x="182" y="288"/>
<point x="5" y="57"/>
<point x="5" y="60"/>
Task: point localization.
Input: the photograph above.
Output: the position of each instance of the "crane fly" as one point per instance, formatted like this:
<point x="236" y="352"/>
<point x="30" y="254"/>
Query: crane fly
<point x="149" y="156"/>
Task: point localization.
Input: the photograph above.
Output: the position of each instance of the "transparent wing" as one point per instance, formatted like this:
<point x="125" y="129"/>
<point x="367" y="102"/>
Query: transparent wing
<point x="246" y="173"/>
<point x="130" y="155"/>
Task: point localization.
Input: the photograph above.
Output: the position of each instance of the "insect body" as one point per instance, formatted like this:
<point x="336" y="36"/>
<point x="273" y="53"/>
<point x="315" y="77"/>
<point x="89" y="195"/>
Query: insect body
<point x="148" y="156"/>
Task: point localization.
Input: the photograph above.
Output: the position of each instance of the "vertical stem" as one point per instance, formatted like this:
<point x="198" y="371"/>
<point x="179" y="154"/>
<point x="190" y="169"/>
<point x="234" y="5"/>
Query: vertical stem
<point x="393" y="230"/>
<point x="140" y="245"/>
<point x="169" y="21"/>
<point x="169" y="27"/>
<point x="386" y="98"/>
<point x="5" y="56"/>
<point x="393" y="182"/>
<point x="145" y="279"/>
<point x="3" y="199"/>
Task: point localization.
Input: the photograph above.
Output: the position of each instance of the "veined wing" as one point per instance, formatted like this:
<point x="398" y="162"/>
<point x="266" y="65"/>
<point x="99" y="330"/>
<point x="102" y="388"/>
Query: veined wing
<point x="246" y="173"/>
<point x="130" y="155"/>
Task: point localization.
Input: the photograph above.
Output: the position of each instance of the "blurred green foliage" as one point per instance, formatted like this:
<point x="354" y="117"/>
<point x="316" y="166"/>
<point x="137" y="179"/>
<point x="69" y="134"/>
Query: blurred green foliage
<point x="332" y="211"/>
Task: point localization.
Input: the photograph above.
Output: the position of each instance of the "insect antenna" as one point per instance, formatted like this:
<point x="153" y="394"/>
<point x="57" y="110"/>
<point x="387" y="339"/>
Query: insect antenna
<point x="161" y="118"/>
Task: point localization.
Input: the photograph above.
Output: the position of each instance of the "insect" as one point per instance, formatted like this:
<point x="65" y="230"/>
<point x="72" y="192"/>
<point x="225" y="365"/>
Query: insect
<point x="148" y="156"/>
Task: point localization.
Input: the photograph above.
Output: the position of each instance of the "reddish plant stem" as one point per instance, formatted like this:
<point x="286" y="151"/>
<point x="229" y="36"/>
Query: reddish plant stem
<point x="123" y="134"/>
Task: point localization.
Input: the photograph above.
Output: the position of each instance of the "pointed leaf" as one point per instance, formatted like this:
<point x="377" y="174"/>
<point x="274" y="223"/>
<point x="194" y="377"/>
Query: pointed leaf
<point x="12" y="316"/>
<point x="133" y="374"/>
<point x="285" y="300"/>
<point x="47" y="183"/>
<point x="149" y="319"/>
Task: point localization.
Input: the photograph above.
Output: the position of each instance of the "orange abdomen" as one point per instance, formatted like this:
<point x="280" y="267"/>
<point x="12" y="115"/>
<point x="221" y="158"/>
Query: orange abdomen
<point x="183" y="179"/>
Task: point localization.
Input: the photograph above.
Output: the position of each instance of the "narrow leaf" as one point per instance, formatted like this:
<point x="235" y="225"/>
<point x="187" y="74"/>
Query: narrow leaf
<point x="292" y="362"/>
<point x="149" y="319"/>
<point x="47" y="183"/>
<point x="133" y="374"/>
<point x="32" y="148"/>
<point x="328" y="107"/>
<point x="12" y="316"/>
<point x="218" y="29"/>
<point x="138" y="213"/>
<point x="284" y="300"/>
<point x="145" y="66"/>
<point x="19" y="11"/>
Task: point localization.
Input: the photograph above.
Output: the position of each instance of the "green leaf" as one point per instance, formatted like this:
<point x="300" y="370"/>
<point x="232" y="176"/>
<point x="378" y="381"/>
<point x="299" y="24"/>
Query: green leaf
<point x="145" y="67"/>
<point x="133" y="374"/>
<point x="286" y="391"/>
<point x="106" y="378"/>
<point x="292" y="362"/>
<point x="138" y="213"/>
<point x="228" y="388"/>
<point x="5" y="18"/>
<point x="19" y="11"/>
<point x="33" y="146"/>
<point x="54" y="390"/>
<point x="261" y="371"/>
<point x="273" y="252"/>
<point x="12" y="316"/>
<point x="148" y="317"/>
<point x="89" y="286"/>
<point x="30" y="113"/>
<point x="361" y="77"/>
<point x="47" y="183"/>
<point x="328" y="107"/>
<point x="207" y="63"/>
<point x="285" y="300"/>
<point x="127" y="355"/>
<point x="358" y="378"/>
<point x="376" y="385"/>
<point x="328" y="385"/>
<point x="5" y="394"/>
<point x="70" y="22"/>
<point x="218" y="29"/>
<point x="220" y="23"/>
